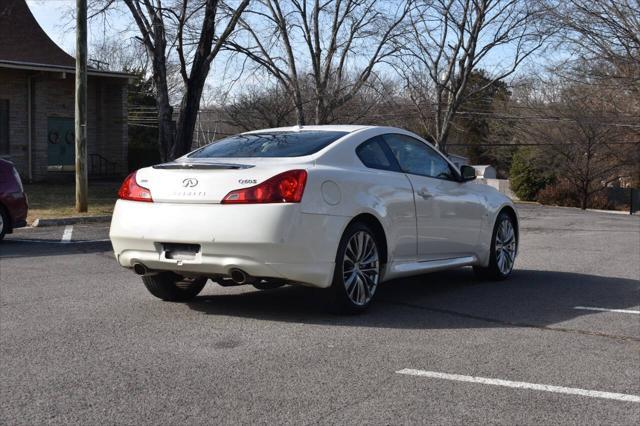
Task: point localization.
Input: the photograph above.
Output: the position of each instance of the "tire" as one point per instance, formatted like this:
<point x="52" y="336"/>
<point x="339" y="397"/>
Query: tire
<point x="172" y="287"/>
<point x="358" y="255"/>
<point x="504" y="247"/>
<point x="4" y="223"/>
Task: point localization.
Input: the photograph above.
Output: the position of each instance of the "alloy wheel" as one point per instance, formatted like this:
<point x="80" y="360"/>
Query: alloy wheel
<point x="361" y="268"/>
<point x="506" y="246"/>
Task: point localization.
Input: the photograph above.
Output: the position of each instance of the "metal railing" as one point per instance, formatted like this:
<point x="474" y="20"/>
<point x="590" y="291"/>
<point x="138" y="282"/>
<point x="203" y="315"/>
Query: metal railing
<point x="100" y="166"/>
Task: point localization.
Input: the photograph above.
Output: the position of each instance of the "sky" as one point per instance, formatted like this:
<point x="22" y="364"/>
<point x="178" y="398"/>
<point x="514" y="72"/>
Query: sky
<point x="49" y="14"/>
<point x="55" y="18"/>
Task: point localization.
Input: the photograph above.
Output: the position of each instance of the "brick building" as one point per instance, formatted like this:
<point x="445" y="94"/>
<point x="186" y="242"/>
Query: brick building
<point x="37" y="86"/>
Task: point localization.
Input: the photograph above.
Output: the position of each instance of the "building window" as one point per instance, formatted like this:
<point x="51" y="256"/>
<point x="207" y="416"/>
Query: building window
<point x="4" y="126"/>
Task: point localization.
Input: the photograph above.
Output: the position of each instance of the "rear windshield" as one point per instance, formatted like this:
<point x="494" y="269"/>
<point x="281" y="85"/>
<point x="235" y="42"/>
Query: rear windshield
<point x="280" y="144"/>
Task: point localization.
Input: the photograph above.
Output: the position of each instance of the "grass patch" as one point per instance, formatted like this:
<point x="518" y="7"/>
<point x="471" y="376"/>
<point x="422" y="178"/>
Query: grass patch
<point x="55" y="200"/>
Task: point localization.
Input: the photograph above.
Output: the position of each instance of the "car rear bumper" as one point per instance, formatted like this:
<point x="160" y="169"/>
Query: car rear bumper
<point x="17" y="207"/>
<point x="20" y="223"/>
<point x="268" y="240"/>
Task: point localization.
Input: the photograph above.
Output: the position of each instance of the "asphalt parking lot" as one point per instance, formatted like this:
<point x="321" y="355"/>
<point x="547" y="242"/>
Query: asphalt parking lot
<point x="82" y="342"/>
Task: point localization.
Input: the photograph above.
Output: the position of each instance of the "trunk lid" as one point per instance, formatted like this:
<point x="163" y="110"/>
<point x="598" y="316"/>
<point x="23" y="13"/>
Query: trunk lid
<point x="209" y="180"/>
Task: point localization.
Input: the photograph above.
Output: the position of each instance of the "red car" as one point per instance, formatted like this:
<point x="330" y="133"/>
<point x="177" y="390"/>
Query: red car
<point x="13" y="201"/>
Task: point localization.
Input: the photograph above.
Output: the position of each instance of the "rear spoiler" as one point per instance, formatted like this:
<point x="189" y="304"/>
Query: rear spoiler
<point x="202" y="166"/>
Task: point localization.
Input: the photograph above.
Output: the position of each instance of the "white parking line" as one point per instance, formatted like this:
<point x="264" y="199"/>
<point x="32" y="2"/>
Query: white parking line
<point x="35" y="241"/>
<point x="521" y="385"/>
<point x="66" y="235"/>
<point x="620" y="311"/>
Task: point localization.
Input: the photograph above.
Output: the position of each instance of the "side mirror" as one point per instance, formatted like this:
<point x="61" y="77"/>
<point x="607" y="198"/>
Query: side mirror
<point x="467" y="173"/>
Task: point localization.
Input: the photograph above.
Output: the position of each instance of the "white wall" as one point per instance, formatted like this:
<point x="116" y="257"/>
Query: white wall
<point x="502" y="185"/>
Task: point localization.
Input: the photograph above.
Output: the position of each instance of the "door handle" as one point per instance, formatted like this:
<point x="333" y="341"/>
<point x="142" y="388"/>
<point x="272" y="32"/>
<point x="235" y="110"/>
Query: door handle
<point x="424" y="193"/>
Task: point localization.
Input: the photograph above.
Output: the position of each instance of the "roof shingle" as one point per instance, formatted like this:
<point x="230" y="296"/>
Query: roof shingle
<point x="23" y="40"/>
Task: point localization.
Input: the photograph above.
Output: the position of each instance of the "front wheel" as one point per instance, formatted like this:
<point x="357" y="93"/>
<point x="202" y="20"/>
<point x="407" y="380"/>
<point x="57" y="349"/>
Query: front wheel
<point x="357" y="270"/>
<point x="173" y="287"/>
<point x="504" y="246"/>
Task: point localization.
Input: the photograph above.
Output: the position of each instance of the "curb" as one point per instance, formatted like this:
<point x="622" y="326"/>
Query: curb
<point x="622" y="212"/>
<point x="618" y="212"/>
<point x="71" y="220"/>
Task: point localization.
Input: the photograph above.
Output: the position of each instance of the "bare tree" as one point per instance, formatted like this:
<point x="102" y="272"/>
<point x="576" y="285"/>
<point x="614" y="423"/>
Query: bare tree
<point x="375" y="103"/>
<point x="268" y="105"/>
<point x="588" y="144"/>
<point x="185" y="35"/>
<point x="603" y="30"/>
<point x="449" y="39"/>
<point x="256" y="109"/>
<point x="337" y="44"/>
<point x="114" y="54"/>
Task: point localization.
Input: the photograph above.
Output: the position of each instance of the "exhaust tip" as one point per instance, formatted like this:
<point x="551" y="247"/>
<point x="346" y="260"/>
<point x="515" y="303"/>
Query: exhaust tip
<point x="238" y="276"/>
<point x="140" y="269"/>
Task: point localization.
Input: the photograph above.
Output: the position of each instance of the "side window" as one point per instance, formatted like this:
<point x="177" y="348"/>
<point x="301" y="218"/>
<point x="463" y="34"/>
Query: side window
<point x="418" y="158"/>
<point x="4" y="126"/>
<point x="373" y="154"/>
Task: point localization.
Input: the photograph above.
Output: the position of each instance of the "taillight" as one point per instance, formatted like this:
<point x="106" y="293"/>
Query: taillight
<point x="130" y="190"/>
<point x="286" y="187"/>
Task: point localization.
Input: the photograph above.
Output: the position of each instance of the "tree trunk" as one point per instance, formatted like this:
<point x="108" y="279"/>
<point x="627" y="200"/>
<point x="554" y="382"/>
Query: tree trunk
<point x="185" y="127"/>
<point x="189" y="108"/>
<point x="322" y="113"/>
<point x="443" y="133"/>
<point x="585" y="198"/>
<point x="166" y="128"/>
<point x="441" y="143"/>
<point x="442" y="121"/>
<point x="299" y="105"/>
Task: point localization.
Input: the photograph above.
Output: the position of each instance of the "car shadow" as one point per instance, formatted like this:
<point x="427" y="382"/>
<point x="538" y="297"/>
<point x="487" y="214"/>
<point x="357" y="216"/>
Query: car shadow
<point x="451" y="299"/>
<point x="33" y="247"/>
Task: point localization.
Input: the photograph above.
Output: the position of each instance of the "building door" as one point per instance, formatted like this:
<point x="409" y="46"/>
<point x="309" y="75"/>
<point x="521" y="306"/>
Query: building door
<point x="60" y="144"/>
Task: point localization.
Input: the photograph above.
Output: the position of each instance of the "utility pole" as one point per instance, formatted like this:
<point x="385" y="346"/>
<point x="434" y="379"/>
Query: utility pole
<point x="81" y="106"/>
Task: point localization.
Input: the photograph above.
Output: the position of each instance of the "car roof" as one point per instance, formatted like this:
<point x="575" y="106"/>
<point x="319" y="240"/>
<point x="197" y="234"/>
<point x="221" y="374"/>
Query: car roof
<point x="348" y="128"/>
<point x="5" y="163"/>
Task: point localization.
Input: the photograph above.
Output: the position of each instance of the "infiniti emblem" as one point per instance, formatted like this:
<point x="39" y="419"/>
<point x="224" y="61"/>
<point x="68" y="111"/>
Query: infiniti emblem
<point x="190" y="182"/>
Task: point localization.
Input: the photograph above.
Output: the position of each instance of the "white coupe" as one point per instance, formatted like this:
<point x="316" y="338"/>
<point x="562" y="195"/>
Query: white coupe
<point x="336" y="207"/>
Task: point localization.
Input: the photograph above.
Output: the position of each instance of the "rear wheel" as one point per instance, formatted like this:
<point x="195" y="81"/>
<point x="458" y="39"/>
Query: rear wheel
<point x="4" y="223"/>
<point x="173" y="287"/>
<point x="357" y="270"/>
<point x="504" y="245"/>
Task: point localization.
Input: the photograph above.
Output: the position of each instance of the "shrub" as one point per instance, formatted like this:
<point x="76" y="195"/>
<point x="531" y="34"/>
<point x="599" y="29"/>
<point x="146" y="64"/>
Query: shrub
<point x="563" y="193"/>
<point x="559" y="194"/>
<point x="527" y="179"/>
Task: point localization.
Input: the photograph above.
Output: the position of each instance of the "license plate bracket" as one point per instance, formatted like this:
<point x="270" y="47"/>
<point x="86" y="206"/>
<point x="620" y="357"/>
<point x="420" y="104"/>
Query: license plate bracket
<point x="178" y="251"/>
